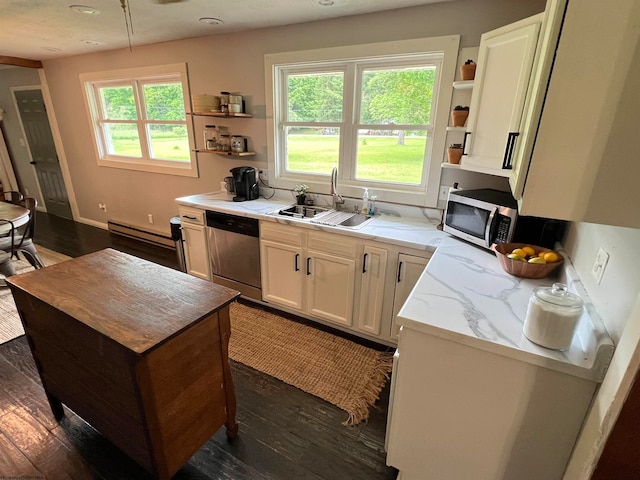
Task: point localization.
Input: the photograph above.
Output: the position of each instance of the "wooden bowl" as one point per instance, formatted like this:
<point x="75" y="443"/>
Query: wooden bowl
<point x="525" y="269"/>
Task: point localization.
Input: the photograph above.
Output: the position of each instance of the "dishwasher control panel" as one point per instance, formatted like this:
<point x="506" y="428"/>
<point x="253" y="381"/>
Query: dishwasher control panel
<point x="233" y="223"/>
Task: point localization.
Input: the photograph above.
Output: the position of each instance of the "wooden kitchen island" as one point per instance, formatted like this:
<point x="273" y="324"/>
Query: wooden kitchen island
<point x="140" y="351"/>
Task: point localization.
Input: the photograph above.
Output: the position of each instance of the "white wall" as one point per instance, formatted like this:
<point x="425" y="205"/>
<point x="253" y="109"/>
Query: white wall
<point x="620" y="285"/>
<point x="233" y="62"/>
<point x="617" y="300"/>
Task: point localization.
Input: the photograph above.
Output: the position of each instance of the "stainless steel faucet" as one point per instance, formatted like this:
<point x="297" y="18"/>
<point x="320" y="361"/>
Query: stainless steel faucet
<point x="337" y="199"/>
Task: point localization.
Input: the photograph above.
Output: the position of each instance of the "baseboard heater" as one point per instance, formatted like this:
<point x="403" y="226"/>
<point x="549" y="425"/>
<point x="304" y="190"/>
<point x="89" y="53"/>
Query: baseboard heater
<point x="136" y="233"/>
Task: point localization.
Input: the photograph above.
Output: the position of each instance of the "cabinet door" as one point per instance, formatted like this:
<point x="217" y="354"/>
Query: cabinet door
<point x="374" y="261"/>
<point x="330" y="286"/>
<point x="282" y="271"/>
<point x="195" y="250"/>
<point x="409" y="270"/>
<point x="502" y="77"/>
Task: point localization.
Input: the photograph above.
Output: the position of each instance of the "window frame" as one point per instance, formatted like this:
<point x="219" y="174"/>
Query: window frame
<point x="385" y="54"/>
<point x="138" y="78"/>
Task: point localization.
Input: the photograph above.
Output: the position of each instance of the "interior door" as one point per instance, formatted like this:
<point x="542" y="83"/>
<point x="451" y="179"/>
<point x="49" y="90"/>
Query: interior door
<point x="44" y="157"/>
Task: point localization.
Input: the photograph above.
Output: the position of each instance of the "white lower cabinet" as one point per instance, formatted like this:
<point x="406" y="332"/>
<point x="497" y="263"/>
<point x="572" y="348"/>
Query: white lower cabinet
<point x="459" y="412"/>
<point x="194" y="235"/>
<point x="409" y="268"/>
<point x="356" y="285"/>
<point x="329" y="284"/>
<point x="281" y="274"/>
<point x="312" y="272"/>
<point x="371" y="288"/>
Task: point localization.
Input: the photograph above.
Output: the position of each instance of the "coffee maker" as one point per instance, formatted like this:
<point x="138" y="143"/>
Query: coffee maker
<point x="245" y="182"/>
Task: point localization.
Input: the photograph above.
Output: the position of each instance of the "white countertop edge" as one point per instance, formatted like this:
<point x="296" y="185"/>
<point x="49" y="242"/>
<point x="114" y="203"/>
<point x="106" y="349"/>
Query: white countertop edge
<point x="585" y="372"/>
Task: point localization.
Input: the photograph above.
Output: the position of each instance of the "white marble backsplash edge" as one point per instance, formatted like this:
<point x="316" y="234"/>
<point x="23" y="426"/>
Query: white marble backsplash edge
<point x="593" y="334"/>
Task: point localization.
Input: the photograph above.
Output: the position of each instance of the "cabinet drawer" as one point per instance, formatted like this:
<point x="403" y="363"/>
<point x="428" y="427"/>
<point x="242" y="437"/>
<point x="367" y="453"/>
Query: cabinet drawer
<point x="56" y="334"/>
<point x="332" y="244"/>
<point x="282" y="234"/>
<point x="191" y="215"/>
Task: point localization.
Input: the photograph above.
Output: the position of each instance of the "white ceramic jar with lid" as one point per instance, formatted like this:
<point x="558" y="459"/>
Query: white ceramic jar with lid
<point x="552" y="316"/>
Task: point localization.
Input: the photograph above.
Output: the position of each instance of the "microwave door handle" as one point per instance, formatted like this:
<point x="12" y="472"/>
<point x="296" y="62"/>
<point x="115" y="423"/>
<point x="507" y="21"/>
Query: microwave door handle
<point x="487" y="231"/>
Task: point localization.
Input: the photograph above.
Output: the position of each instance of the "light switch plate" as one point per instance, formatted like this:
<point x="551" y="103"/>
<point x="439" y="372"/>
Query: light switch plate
<point x="599" y="265"/>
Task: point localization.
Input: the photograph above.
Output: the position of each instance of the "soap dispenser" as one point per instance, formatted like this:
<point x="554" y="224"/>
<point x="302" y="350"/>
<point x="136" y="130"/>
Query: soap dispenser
<point x="365" y="202"/>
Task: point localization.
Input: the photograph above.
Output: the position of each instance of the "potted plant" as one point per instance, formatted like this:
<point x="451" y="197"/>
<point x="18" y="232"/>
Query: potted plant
<point x="301" y="193"/>
<point x="459" y="115"/>
<point x="454" y="153"/>
<point x="468" y="70"/>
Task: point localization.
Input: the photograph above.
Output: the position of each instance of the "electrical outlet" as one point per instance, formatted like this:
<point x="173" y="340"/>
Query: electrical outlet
<point x="102" y="206"/>
<point x="444" y="192"/>
<point x="599" y="265"/>
<point x="150" y="218"/>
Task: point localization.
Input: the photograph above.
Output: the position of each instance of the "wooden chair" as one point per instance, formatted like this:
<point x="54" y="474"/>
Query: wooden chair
<point x="13" y="196"/>
<point x="21" y="238"/>
<point x="6" y="265"/>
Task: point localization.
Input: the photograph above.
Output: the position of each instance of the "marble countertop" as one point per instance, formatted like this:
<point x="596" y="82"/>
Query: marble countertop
<point x="463" y="295"/>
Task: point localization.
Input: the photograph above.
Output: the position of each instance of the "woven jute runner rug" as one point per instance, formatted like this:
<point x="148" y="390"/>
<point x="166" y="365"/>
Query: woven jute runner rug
<point x="10" y="324"/>
<point x="335" y="369"/>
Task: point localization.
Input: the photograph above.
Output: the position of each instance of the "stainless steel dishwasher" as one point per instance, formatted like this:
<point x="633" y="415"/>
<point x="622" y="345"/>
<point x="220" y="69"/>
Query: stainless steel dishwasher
<point x="234" y="251"/>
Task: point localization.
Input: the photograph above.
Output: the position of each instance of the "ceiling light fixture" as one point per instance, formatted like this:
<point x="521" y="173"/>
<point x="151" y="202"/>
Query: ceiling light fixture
<point x="211" y="20"/>
<point x="326" y="3"/>
<point x="84" y="9"/>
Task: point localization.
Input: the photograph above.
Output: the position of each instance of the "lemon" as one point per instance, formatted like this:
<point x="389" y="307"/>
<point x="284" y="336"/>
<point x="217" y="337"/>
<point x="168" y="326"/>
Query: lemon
<point x="551" y="257"/>
<point x="537" y="260"/>
<point x="515" y="256"/>
<point x="520" y="252"/>
<point x="529" y="251"/>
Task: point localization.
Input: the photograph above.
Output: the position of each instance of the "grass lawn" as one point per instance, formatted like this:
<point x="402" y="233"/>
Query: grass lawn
<point x="379" y="158"/>
<point x="163" y="148"/>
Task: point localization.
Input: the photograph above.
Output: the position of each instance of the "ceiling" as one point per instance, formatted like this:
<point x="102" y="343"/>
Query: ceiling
<point x="46" y="29"/>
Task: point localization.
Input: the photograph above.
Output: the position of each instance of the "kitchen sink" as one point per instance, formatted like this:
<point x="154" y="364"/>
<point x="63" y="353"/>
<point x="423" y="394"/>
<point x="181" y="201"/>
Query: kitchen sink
<point x="355" y="221"/>
<point x="324" y="216"/>
<point x="302" y="211"/>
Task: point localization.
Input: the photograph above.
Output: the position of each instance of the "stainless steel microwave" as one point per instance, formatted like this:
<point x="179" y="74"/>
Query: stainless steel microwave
<point x="488" y="217"/>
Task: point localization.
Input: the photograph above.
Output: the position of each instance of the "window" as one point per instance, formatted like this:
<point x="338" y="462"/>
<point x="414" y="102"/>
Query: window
<point x="139" y="119"/>
<point x="377" y="117"/>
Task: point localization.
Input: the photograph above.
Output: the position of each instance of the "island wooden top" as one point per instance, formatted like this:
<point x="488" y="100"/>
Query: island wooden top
<point x="137" y="303"/>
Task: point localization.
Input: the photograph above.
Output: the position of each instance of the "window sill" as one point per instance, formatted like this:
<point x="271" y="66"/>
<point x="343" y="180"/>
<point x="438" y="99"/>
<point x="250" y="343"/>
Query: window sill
<point x="190" y="169"/>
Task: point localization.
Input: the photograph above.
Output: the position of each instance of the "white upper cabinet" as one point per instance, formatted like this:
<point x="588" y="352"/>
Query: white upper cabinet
<point x="581" y="163"/>
<point x="505" y="61"/>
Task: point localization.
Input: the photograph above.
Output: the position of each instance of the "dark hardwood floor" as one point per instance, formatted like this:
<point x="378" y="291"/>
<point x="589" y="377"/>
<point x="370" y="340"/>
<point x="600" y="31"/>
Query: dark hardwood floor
<point x="284" y="432"/>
